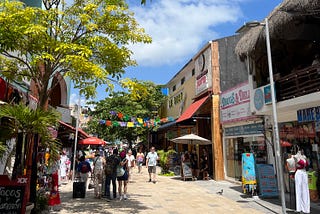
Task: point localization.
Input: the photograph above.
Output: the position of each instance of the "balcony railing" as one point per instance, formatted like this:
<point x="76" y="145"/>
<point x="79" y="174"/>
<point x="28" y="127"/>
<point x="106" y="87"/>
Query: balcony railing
<point x="301" y="82"/>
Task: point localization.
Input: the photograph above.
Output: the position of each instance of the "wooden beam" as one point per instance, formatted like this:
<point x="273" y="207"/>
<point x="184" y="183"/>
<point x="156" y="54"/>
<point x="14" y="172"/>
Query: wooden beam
<point x="217" y="147"/>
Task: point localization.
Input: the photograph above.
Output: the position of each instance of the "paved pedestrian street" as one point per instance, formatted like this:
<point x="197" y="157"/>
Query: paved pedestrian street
<point x="169" y="195"/>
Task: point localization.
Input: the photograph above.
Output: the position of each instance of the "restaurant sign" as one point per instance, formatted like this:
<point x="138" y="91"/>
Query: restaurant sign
<point x="235" y="103"/>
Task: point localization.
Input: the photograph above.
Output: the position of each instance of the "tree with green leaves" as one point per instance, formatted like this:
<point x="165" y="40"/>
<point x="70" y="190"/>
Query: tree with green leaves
<point x="142" y="100"/>
<point x="86" y="41"/>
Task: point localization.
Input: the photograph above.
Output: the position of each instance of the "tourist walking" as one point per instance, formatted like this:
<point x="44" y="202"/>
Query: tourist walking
<point x="98" y="163"/>
<point x="140" y="159"/>
<point x="122" y="176"/>
<point x="131" y="164"/>
<point x="110" y="169"/>
<point x="151" y="164"/>
<point x="84" y="168"/>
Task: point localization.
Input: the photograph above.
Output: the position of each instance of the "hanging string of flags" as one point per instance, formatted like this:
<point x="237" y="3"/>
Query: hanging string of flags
<point x="121" y="120"/>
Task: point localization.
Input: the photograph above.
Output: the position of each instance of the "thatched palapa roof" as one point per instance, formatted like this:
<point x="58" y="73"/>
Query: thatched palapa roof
<point x="290" y="20"/>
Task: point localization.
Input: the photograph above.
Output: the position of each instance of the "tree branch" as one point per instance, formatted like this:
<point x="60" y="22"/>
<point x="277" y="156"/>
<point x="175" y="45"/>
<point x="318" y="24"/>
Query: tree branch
<point x="7" y="54"/>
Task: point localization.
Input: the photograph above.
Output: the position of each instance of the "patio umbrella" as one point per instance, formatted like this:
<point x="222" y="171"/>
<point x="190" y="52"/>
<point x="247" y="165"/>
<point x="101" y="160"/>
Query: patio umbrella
<point x="92" y="141"/>
<point x="191" y="139"/>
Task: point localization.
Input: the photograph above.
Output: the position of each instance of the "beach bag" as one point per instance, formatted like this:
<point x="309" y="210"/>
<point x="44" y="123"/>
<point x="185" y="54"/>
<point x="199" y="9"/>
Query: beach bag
<point x="120" y="171"/>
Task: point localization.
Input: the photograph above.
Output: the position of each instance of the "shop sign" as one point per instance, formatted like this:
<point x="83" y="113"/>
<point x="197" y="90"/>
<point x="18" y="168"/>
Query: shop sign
<point x="12" y="195"/>
<point x="235" y="103"/>
<point x="309" y="114"/>
<point x="177" y="99"/>
<point x="267" y="182"/>
<point x="202" y="81"/>
<point x="261" y="97"/>
<point x="250" y="129"/>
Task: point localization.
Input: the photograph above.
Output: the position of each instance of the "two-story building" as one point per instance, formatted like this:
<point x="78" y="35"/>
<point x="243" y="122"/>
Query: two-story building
<point x="294" y="30"/>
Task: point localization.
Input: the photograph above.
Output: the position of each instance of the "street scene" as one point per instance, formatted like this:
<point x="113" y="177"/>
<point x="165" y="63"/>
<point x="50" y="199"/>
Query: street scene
<point x="169" y="195"/>
<point x="159" y="106"/>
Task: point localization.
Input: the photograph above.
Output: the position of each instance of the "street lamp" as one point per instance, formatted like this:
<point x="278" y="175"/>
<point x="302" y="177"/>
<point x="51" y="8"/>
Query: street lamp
<point x="274" y="107"/>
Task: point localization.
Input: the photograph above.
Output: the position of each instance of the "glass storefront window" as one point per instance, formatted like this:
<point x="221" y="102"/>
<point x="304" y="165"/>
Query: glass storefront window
<point x="236" y="146"/>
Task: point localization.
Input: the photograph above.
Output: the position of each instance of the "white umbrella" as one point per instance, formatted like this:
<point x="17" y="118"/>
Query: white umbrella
<point x="191" y="139"/>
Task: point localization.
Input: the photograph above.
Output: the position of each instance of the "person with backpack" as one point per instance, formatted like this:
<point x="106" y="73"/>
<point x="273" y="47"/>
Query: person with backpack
<point x="84" y="168"/>
<point x="112" y="161"/>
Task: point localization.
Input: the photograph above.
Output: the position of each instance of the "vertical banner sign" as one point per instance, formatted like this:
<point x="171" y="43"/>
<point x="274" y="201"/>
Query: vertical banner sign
<point x="248" y="170"/>
<point x="267" y="181"/>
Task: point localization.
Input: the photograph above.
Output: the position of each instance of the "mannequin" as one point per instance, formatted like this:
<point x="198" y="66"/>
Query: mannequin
<point x="301" y="183"/>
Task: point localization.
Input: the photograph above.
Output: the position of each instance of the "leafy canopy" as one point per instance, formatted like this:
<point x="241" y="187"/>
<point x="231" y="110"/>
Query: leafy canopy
<point x="87" y="41"/>
<point x="31" y="122"/>
<point x="141" y="103"/>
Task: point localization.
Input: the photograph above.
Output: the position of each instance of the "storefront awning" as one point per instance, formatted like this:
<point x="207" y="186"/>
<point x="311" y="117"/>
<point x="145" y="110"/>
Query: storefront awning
<point x="191" y="110"/>
<point x="166" y="125"/>
<point x="82" y="134"/>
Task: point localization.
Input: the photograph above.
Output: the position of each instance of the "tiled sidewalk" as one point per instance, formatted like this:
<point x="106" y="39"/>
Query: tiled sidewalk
<point x="169" y="195"/>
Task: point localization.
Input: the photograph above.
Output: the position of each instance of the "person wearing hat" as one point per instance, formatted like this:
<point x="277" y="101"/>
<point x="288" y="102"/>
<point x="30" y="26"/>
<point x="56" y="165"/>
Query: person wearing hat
<point x="98" y="163"/>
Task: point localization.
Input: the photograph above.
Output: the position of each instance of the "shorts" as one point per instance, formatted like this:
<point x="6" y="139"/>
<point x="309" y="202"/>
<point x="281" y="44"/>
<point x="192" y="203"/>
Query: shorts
<point x="124" y="177"/>
<point x="140" y="163"/>
<point x="152" y="169"/>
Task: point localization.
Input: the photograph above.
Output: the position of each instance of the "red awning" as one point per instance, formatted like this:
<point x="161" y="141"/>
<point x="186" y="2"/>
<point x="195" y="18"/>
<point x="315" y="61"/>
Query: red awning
<point x="92" y="141"/>
<point x="192" y="109"/>
<point x="81" y="132"/>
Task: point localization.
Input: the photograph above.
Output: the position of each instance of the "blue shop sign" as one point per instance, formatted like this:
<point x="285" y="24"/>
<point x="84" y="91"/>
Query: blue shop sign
<point x="250" y="129"/>
<point x="309" y="114"/>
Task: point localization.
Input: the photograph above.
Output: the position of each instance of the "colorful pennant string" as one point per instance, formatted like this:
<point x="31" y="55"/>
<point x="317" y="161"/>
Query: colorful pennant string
<point x="129" y="121"/>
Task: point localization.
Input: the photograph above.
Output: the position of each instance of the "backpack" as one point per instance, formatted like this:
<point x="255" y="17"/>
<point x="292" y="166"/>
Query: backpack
<point x="84" y="168"/>
<point x="111" y="164"/>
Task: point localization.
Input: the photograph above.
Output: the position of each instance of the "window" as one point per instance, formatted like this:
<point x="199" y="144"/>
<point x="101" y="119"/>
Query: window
<point x="182" y="80"/>
<point x="193" y="72"/>
<point x="174" y="88"/>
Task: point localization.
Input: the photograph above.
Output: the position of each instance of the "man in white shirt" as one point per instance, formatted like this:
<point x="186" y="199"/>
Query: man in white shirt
<point x="151" y="164"/>
<point x="131" y="163"/>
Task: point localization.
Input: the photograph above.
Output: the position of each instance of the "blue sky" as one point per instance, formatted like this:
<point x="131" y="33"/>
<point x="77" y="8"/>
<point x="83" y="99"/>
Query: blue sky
<point x="180" y="28"/>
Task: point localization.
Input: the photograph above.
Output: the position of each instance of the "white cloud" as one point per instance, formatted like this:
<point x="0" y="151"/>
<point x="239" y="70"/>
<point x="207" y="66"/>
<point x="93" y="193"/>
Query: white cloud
<point x="74" y="100"/>
<point x="180" y="27"/>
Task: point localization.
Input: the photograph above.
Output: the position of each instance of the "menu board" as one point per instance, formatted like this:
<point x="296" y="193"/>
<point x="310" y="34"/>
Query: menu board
<point x="268" y="187"/>
<point x="12" y="195"/>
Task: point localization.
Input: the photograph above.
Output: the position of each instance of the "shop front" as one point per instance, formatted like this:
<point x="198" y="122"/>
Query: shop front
<point x="243" y="132"/>
<point x="303" y="134"/>
<point x="248" y="138"/>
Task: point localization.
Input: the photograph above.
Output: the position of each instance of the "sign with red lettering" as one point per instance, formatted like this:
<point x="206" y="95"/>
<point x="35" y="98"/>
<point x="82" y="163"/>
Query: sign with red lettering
<point x="267" y="182"/>
<point x="235" y="103"/>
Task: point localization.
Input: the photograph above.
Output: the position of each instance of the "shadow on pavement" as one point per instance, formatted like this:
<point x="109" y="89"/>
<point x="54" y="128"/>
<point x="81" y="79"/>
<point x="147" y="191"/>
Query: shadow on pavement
<point x="91" y="205"/>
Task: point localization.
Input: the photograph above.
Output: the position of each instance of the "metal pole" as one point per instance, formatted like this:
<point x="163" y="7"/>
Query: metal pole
<point x="76" y="138"/>
<point x="275" y="121"/>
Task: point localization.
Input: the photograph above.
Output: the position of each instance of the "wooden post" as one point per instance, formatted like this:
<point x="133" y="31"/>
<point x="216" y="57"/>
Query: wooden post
<point x="217" y="147"/>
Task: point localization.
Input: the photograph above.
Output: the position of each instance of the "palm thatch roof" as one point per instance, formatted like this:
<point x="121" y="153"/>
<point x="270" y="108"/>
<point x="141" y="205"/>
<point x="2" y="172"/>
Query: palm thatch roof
<point x="289" y="20"/>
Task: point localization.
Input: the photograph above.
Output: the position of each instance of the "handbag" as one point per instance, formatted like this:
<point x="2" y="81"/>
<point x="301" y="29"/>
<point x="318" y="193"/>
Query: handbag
<point x="120" y="171"/>
<point x="91" y="184"/>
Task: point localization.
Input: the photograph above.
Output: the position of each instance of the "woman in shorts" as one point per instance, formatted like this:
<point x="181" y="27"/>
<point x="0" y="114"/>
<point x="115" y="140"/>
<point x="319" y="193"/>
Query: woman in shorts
<point x="124" y="178"/>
